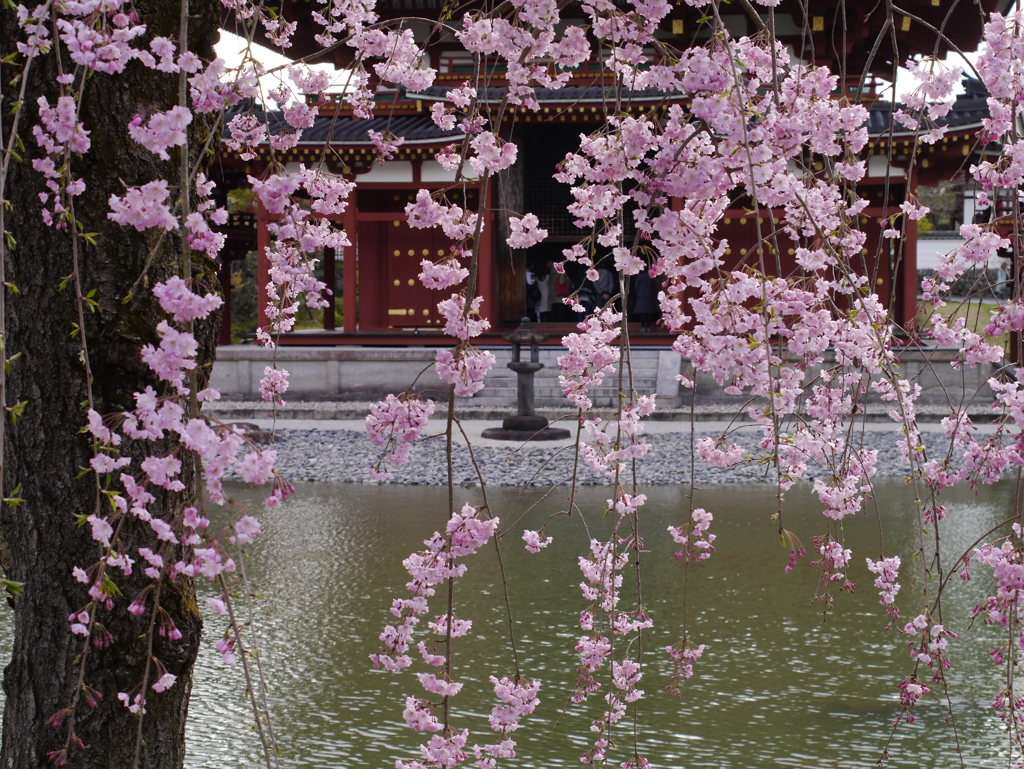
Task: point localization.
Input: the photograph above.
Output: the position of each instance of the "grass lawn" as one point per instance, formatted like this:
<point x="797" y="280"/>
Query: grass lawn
<point x="976" y="312"/>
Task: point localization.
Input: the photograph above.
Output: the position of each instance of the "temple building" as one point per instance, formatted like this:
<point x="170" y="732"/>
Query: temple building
<point x="375" y="279"/>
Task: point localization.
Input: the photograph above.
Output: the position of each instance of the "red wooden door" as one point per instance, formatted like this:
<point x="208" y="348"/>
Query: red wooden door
<point x="409" y="304"/>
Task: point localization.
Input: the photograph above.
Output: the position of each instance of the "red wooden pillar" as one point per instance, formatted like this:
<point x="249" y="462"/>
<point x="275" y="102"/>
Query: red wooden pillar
<point x="224" y="275"/>
<point x="262" y="265"/>
<point x="907" y="302"/>
<point x="331" y="283"/>
<point x="373" y="251"/>
<point x="348" y="268"/>
<point x="485" y="276"/>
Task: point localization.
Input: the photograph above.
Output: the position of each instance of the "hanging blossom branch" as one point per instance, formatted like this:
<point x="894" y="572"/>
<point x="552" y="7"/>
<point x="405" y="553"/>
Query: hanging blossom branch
<point x="465" y="533"/>
<point x="740" y="327"/>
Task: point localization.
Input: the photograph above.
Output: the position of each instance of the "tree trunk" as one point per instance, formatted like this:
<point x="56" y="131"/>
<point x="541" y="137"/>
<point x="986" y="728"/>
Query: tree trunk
<point x="45" y="450"/>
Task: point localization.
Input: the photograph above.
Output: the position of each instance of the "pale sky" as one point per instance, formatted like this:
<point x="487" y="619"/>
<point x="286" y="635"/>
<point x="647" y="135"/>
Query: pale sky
<point x="231" y="48"/>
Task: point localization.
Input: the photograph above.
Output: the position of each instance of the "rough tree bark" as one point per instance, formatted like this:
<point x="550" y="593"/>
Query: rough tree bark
<point x="45" y="451"/>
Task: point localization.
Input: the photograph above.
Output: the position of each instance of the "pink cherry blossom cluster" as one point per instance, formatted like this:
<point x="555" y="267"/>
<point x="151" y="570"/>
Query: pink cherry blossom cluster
<point x="59" y="133"/>
<point x="833" y="563"/>
<point x="601" y="588"/>
<point x="625" y="675"/>
<point x="176" y="298"/>
<point x="386" y="143"/>
<point x="274" y="384"/>
<point x="443" y="274"/>
<point x="683" y="655"/>
<point x="1006" y="560"/>
<point x="694" y="537"/>
<point x="931" y="100"/>
<point x="200" y="236"/>
<point x="887" y="570"/>
<point x="1010" y="710"/>
<point x="212" y="89"/>
<point x="591" y="355"/>
<point x="37" y="34"/>
<point x="298" y="235"/>
<point x="245" y="134"/>
<point x="525" y="231"/>
<point x="457" y="223"/>
<point x="614" y="443"/>
<point x="528" y="45"/>
<point x="517" y="698"/>
<point x="394" y="424"/>
<point x="457" y="314"/>
<point x="929" y="644"/>
<point x="718" y="452"/>
<point x="465" y="368"/>
<point x="466" y="532"/>
<point x="276" y="27"/>
<point x="98" y="36"/>
<point x="162" y="130"/>
<point x="143" y="207"/>
<point x="911" y="690"/>
<point x="1000" y="66"/>
<point x="535" y="541"/>
<point x="603" y="620"/>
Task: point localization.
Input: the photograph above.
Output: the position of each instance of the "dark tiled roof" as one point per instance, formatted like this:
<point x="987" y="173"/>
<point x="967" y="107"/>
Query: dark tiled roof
<point x="349" y="130"/>
<point x="969" y="109"/>
<point x="568" y="94"/>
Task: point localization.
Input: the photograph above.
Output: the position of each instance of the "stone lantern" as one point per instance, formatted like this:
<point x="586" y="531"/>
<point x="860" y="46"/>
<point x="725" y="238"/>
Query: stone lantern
<point x="525" y="425"/>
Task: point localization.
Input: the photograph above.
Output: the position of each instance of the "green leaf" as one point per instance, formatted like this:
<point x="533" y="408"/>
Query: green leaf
<point x="11" y="242"/>
<point x="11" y="286"/>
<point x="90" y="238"/>
<point x="16" y="411"/>
<point x="74" y="330"/>
<point x="9" y="361"/>
<point x="14" y="500"/>
<point x="108" y="587"/>
<point x="64" y="282"/>
<point x="14" y="588"/>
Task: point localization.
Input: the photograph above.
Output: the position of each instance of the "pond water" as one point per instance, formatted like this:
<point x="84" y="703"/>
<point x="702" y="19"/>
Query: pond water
<point x="779" y="684"/>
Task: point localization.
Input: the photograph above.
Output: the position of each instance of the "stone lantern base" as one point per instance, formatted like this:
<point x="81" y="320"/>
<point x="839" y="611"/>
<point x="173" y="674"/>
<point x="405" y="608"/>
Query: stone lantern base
<point x="526" y="428"/>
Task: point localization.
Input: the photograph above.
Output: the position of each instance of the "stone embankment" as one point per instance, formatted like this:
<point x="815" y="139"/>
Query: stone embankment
<point x="315" y="448"/>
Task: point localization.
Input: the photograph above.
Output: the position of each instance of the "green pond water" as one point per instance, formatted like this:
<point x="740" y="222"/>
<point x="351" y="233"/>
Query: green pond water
<point x="778" y="686"/>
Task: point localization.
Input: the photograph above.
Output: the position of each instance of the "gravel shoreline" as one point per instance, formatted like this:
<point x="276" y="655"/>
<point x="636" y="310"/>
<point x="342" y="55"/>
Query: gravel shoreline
<point x="341" y="456"/>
